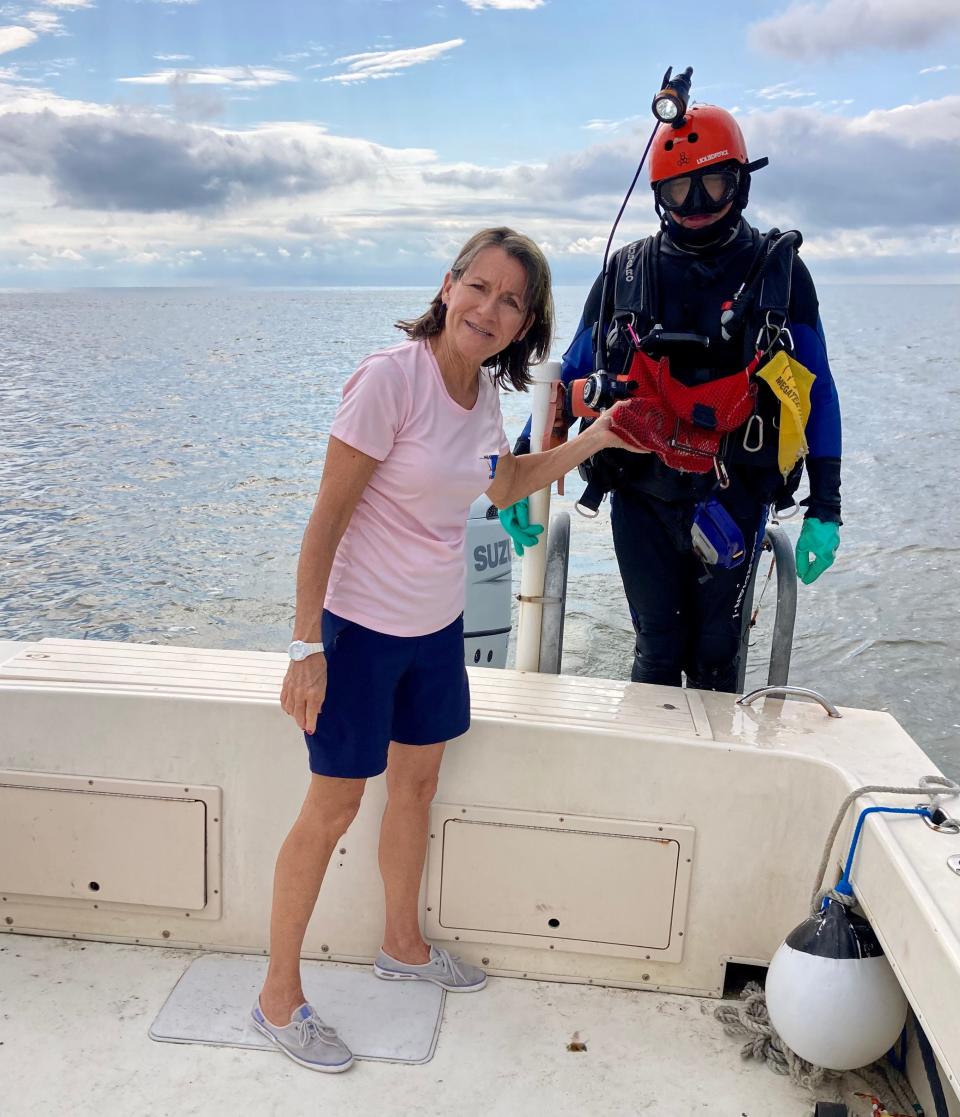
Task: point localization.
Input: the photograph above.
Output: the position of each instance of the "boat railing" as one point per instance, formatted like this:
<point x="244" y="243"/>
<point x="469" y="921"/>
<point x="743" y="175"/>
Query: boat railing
<point x="555" y="594"/>
<point x="776" y="541"/>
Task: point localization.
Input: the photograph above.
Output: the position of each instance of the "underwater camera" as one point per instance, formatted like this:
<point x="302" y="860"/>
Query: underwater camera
<point x="602" y="389"/>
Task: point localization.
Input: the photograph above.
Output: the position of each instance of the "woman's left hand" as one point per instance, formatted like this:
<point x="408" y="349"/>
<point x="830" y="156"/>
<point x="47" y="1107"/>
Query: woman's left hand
<point x="614" y="441"/>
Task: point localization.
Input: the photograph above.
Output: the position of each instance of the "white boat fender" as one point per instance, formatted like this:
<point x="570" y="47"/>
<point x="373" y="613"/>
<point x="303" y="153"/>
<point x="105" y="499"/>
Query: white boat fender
<point x="831" y="994"/>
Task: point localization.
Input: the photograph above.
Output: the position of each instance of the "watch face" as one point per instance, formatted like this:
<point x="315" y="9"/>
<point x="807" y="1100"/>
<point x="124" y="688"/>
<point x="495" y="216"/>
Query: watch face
<point x="298" y="650"/>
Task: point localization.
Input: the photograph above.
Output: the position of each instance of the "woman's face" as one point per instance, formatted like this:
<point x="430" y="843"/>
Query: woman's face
<point x="485" y="306"/>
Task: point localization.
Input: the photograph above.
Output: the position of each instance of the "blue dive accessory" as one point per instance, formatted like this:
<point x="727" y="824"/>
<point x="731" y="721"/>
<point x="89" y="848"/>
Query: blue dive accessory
<point x="716" y="538"/>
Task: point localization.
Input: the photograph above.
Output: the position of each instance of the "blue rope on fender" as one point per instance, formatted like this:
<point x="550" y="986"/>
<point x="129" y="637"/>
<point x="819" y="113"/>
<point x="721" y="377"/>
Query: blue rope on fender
<point x="844" y="888"/>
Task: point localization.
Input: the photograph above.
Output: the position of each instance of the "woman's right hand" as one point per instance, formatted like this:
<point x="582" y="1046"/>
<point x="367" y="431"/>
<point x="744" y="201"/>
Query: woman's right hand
<point x="303" y="691"/>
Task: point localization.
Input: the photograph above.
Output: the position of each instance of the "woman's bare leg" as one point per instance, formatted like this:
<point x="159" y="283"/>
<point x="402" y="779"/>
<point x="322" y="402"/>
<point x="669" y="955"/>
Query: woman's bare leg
<point x="329" y="808"/>
<point x="411" y="785"/>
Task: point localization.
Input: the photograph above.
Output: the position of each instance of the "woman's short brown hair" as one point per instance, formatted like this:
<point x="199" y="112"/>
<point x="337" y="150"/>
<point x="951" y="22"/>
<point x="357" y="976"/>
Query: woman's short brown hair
<point x="510" y="365"/>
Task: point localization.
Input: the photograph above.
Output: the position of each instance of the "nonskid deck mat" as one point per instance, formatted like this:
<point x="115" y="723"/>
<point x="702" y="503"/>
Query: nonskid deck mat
<point x="390" y="1021"/>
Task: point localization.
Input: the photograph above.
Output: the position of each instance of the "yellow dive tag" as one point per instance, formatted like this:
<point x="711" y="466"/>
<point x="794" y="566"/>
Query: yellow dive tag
<point x="791" y="383"/>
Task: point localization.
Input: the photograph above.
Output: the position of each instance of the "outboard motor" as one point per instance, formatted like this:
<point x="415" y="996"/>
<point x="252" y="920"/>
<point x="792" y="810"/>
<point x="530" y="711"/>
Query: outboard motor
<point x="487" y="617"/>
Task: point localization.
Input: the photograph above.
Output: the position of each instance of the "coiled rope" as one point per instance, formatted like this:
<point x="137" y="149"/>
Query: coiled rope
<point x="749" y="1020"/>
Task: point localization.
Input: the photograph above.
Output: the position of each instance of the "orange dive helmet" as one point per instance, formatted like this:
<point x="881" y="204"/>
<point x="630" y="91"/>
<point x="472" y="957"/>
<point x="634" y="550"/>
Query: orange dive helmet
<point x="708" y="135"/>
<point x="702" y="164"/>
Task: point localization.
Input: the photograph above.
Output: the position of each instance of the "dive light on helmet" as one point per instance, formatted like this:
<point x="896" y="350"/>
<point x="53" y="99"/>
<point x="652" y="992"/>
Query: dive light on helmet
<point x="670" y="104"/>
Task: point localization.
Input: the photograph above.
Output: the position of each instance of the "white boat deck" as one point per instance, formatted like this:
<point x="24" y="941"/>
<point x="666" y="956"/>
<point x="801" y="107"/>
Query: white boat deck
<point x="194" y="729"/>
<point x="74" y="1018"/>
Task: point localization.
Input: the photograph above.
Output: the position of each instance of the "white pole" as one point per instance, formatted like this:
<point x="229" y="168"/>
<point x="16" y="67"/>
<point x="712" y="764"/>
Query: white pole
<point x="534" y="562"/>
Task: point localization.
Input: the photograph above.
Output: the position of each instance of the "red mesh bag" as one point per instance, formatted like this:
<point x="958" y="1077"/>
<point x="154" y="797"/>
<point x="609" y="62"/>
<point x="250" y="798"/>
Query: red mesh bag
<point x="646" y="425"/>
<point x="645" y="372"/>
<point x="720" y="405"/>
<point x="682" y="426"/>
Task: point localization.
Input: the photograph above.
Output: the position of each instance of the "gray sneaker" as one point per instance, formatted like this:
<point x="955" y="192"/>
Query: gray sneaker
<point x="306" y="1039"/>
<point x="444" y="969"/>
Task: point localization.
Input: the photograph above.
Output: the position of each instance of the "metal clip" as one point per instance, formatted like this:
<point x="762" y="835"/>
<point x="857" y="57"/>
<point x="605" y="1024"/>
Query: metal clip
<point x="782" y="331"/>
<point x="776" y="515"/>
<point x="720" y="470"/>
<point x="754" y="418"/>
<point x="771" y="333"/>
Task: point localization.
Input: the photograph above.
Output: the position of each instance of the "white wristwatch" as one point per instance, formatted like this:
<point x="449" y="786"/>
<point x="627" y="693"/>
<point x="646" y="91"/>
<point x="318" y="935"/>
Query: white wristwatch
<point x="300" y="650"/>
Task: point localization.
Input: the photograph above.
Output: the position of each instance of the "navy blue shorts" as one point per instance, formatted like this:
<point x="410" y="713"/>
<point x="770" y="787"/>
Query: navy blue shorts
<point x="409" y="689"/>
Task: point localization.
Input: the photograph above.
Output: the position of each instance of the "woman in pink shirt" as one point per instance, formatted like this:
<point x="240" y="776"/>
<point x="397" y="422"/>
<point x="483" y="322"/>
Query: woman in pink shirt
<point x="417" y="438"/>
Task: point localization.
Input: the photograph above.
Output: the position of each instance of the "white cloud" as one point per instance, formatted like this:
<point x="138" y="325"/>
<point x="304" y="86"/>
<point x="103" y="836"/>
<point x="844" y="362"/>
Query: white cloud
<point x="587" y="246"/>
<point x="13" y="38"/>
<point x="16" y="98"/>
<point x="140" y="163"/>
<point x="243" y="77"/>
<point x="287" y="202"/>
<point x="173" y="57"/>
<point x="821" y="28"/>
<point x="505" y="5"/>
<point x="609" y="125"/>
<point x="783" y="89"/>
<point x="41" y="21"/>
<point x="387" y="63"/>
<point x="47" y="23"/>
<point x="832" y="105"/>
<point x="811" y="153"/>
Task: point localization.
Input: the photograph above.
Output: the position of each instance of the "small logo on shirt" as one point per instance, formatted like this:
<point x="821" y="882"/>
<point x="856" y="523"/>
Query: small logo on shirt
<point x="491" y="460"/>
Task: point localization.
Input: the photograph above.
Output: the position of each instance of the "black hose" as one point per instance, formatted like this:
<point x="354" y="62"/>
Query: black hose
<point x="599" y="349"/>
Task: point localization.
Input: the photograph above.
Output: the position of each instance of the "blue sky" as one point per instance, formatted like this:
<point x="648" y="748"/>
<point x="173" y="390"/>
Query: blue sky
<point x="361" y="141"/>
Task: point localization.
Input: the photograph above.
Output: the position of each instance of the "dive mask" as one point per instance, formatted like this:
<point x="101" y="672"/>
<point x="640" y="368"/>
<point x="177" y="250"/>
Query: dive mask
<point x="706" y="191"/>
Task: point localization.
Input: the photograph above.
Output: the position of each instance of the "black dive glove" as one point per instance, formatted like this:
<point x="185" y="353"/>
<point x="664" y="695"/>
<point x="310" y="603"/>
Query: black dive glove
<point x="823" y="503"/>
<point x="820" y="535"/>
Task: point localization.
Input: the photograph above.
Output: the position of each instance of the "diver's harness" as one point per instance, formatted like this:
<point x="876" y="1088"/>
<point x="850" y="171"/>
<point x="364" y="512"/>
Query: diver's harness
<point x="687" y="426"/>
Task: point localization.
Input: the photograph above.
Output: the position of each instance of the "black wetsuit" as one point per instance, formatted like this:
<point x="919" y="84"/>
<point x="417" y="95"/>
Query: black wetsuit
<point x="687" y="617"/>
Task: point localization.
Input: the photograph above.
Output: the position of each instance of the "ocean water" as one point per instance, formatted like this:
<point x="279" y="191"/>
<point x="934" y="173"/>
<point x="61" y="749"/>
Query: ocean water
<point x="160" y="451"/>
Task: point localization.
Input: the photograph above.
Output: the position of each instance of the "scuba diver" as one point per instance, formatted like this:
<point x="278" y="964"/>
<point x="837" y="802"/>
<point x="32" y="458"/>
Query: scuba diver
<point x="716" y="328"/>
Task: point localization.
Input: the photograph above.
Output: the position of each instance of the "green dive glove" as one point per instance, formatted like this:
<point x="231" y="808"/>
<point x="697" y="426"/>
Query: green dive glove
<point x="516" y="523"/>
<point x="820" y="540"/>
